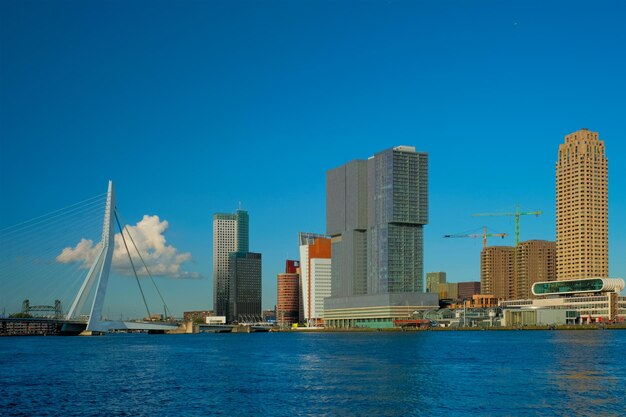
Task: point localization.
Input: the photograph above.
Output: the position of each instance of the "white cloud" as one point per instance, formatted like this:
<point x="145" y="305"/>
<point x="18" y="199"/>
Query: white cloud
<point x="85" y="251"/>
<point x="148" y="234"/>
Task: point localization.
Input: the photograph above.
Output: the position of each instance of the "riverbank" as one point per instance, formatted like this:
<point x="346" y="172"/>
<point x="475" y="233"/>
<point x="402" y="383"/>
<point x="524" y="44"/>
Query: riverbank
<point x="452" y="329"/>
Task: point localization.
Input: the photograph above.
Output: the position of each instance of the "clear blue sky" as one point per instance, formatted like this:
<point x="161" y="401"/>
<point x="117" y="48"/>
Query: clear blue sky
<point x="192" y="107"/>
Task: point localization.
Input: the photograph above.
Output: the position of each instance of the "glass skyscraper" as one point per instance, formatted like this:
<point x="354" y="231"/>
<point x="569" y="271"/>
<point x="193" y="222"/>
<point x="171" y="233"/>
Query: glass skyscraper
<point x="244" y="296"/>
<point x="398" y="186"/>
<point x="230" y="234"/>
<point x="376" y="211"/>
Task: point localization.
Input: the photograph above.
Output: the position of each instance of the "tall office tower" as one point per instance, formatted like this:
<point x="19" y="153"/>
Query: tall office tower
<point x="375" y="213"/>
<point x="496" y="271"/>
<point x="288" y="301"/>
<point x="346" y="223"/>
<point x="468" y="289"/>
<point x="582" y="208"/>
<point x="433" y="279"/>
<point x="244" y="296"/>
<point x="397" y="213"/>
<point x="536" y="261"/>
<point x="230" y="234"/>
<point x="315" y="273"/>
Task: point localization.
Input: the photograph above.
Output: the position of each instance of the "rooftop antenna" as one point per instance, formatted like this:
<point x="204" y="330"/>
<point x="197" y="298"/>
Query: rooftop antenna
<point x="239" y="205"/>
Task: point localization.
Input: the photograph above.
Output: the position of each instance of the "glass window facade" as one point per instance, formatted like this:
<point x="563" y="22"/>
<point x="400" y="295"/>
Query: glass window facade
<point x="564" y="287"/>
<point x="399" y="187"/>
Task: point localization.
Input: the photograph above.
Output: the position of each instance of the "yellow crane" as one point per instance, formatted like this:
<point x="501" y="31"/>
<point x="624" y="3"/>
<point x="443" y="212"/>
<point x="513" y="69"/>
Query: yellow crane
<point x="484" y="235"/>
<point x="517" y="214"/>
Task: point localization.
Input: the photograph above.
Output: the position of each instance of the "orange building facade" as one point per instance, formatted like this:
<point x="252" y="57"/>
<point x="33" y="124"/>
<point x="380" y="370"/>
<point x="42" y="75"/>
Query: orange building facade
<point x="288" y="300"/>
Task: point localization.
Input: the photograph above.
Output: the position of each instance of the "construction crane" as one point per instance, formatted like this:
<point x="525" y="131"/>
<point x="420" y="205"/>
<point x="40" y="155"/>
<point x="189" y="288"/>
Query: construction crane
<point x="517" y="213"/>
<point x="484" y="235"/>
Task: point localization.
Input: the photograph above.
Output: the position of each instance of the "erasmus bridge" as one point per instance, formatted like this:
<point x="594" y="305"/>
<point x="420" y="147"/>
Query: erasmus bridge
<point x="50" y="263"/>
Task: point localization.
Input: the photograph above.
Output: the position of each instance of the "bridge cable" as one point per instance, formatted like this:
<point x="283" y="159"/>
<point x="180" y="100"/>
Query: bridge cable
<point x="29" y="253"/>
<point x="167" y="310"/>
<point x="52" y="214"/>
<point x="132" y="265"/>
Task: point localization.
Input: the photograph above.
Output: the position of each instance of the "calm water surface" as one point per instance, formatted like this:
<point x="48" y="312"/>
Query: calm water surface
<point x="503" y="373"/>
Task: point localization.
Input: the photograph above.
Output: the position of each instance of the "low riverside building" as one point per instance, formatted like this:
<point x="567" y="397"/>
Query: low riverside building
<point x="482" y="301"/>
<point x="376" y="310"/>
<point x="198" y="316"/>
<point x="538" y="317"/>
<point x="474" y="317"/>
<point x="595" y="300"/>
<point x="440" y="317"/>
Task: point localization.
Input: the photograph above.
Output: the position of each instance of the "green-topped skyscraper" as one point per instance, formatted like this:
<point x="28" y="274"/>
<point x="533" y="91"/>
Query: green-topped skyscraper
<point x="230" y="234"/>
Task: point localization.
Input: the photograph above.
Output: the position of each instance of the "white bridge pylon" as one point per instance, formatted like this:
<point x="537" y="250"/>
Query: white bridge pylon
<point x="98" y="277"/>
<point x="99" y="272"/>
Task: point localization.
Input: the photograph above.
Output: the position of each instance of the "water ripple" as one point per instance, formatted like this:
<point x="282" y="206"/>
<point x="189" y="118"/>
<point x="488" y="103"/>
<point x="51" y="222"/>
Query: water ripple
<point x="353" y="374"/>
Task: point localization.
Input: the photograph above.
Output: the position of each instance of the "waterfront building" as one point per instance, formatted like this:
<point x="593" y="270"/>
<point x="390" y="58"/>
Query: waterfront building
<point x="375" y="213"/>
<point x="582" y="223"/>
<point x="315" y="276"/>
<point x="288" y="300"/>
<point x="198" y="316"/>
<point x="269" y="315"/>
<point x="244" y="296"/>
<point x="536" y="261"/>
<point x="376" y="310"/>
<point x="433" y="279"/>
<point x="441" y="315"/>
<point x="537" y="317"/>
<point x="230" y="234"/>
<point x="468" y="289"/>
<point x="482" y="301"/>
<point x="594" y="299"/>
<point x="496" y="271"/>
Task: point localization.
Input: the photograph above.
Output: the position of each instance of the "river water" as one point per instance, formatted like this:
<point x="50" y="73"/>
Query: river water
<point x="486" y="373"/>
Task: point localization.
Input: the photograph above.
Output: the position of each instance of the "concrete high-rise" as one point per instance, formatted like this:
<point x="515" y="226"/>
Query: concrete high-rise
<point x="497" y="271"/>
<point x="509" y="273"/>
<point x="315" y="276"/>
<point x="582" y="215"/>
<point x="230" y="234"/>
<point x="347" y="224"/>
<point x="375" y="213"/>
<point x="288" y="300"/>
<point x="433" y="279"/>
<point x="536" y="261"/>
<point x="244" y="295"/>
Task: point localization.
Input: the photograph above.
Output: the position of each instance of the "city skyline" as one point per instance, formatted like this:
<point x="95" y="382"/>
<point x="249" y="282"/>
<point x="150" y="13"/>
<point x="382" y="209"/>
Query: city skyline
<point x="489" y="92"/>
